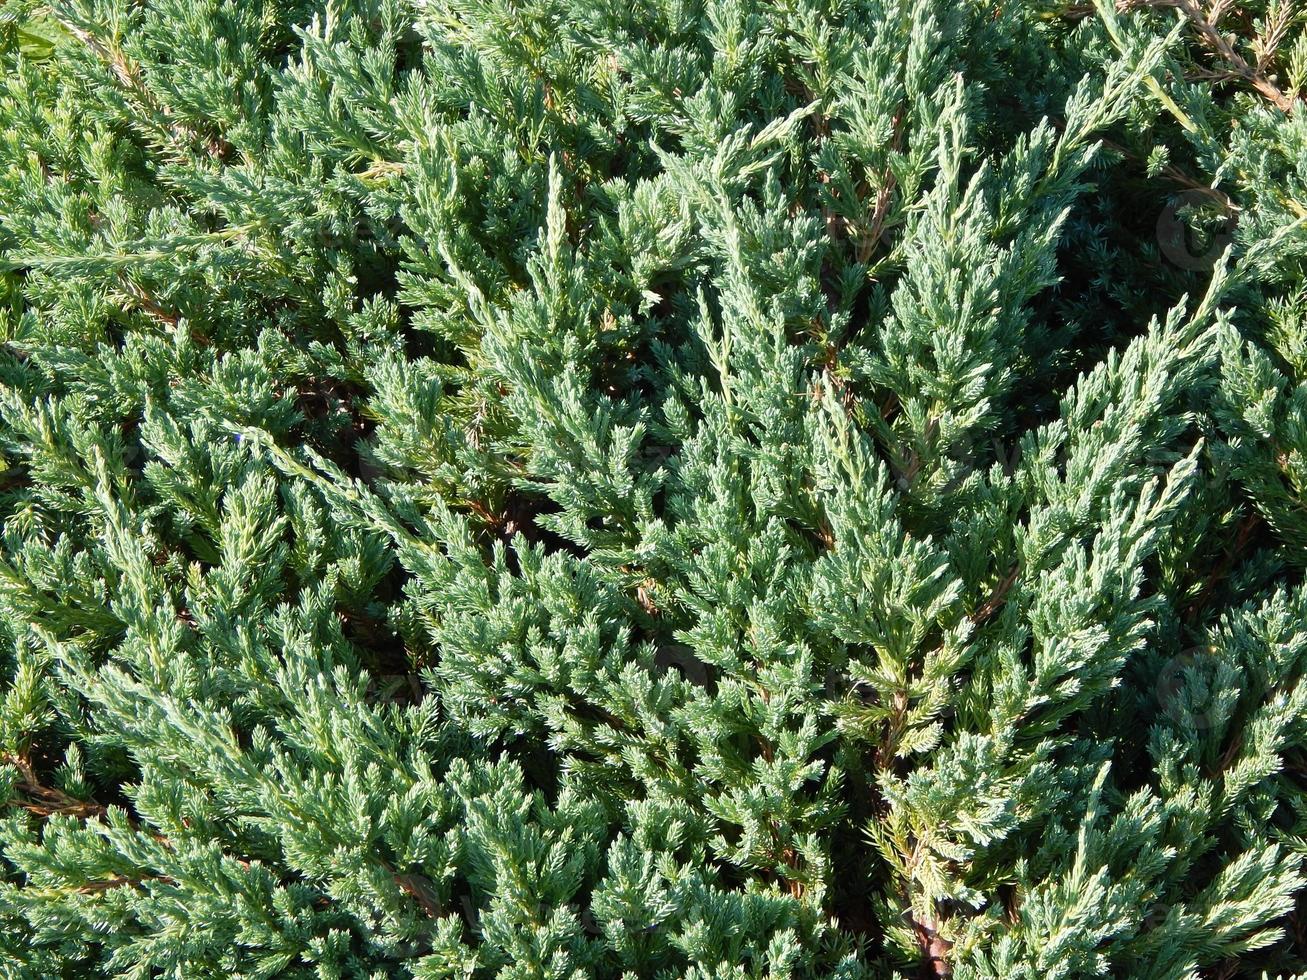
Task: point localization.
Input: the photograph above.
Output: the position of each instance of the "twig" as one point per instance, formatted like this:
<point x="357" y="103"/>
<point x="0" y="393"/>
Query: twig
<point x="1178" y="176"/>
<point x="54" y="800"/>
<point x="883" y="197"/>
<point x="128" y="75"/>
<point x="420" y="889"/>
<point x="1206" y="26"/>
<point x="996" y="598"/>
<point x="1216" y="40"/>
<point x="935" y="947"/>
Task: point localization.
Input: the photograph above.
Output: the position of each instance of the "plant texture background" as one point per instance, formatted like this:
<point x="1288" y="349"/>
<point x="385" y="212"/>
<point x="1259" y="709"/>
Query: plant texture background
<point x="696" y="488"/>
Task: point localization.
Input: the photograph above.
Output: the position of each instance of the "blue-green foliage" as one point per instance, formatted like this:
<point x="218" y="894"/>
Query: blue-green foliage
<point x="685" y="489"/>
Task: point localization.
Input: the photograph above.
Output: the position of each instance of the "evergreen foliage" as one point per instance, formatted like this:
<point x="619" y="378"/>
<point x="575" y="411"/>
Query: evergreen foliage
<point x="697" y="488"/>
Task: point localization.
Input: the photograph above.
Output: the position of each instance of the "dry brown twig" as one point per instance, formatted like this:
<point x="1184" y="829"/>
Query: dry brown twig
<point x="1206" y="24"/>
<point x="1207" y="30"/>
<point x="46" y="800"/>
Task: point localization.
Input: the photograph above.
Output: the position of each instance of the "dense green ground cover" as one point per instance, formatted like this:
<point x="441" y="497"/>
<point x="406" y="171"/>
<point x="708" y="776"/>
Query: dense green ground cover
<point x="707" y="488"/>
